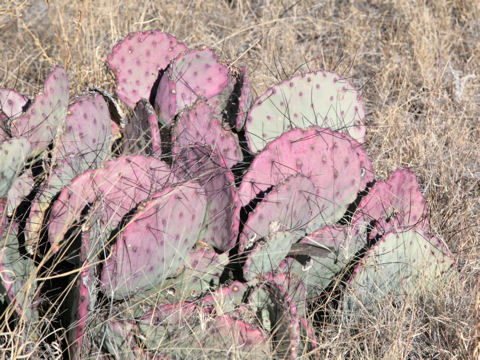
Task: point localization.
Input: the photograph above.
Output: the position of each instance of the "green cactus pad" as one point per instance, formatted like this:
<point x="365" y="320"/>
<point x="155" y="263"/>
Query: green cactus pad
<point x="337" y="245"/>
<point x="202" y="271"/>
<point x="268" y="254"/>
<point x="403" y="263"/>
<point x="227" y="298"/>
<point x="120" y="339"/>
<point x="13" y="153"/>
<point x="318" y="98"/>
<point x="17" y="272"/>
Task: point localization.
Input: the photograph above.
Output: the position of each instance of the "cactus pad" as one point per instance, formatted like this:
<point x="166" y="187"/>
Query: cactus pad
<point x="112" y="190"/>
<point x="12" y="104"/>
<point x="200" y="163"/>
<point x="318" y="98"/>
<point x="400" y="264"/>
<point x="290" y="205"/>
<point x="47" y="113"/>
<point x="192" y="75"/>
<point x="339" y="246"/>
<point x="137" y="61"/>
<point x="202" y="271"/>
<point x="21" y="187"/>
<point x="13" y="154"/>
<point x="398" y="201"/>
<point x="268" y="254"/>
<point x="141" y="133"/>
<point x="200" y="125"/>
<point x="17" y="272"/>
<point x="156" y="241"/>
<point x="328" y="159"/>
<point x="84" y="145"/>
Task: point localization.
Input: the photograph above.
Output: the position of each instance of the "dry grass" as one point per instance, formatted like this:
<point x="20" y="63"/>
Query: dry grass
<point x="414" y="63"/>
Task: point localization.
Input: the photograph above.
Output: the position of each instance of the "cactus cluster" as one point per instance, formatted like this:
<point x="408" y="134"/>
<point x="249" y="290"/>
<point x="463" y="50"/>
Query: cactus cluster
<point x="199" y="217"/>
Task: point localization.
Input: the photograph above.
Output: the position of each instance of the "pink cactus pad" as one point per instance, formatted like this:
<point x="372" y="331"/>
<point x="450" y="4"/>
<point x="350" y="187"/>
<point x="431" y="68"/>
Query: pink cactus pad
<point x="327" y="158"/>
<point x="21" y="187"/>
<point x="192" y="75"/>
<point x="398" y="199"/>
<point x="112" y="191"/>
<point x="137" y="61"/>
<point x="11" y="103"/>
<point x="318" y="98"/>
<point x="222" y="219"/>
<point x="201" y="125"/>
<point x="238" y="332"/>
<point x="291" y="205"/>
<point x="84" y="145"/>
<point x="155" y="242"/>
<point x="141" y="133"/>
<point x="47" y="113"/>
<point x="87" y="136"/>
<point x="244" y="102"/>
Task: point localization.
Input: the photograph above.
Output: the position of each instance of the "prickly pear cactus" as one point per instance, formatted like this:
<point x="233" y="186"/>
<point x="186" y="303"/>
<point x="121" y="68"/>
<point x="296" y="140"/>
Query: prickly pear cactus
<point x="328" y="159"/>
<point x="113" y="191"/>
<point x="84" y="144"/>
<point x="202" y="221"/>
